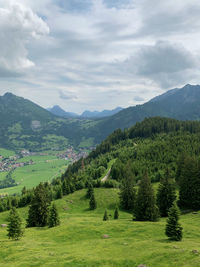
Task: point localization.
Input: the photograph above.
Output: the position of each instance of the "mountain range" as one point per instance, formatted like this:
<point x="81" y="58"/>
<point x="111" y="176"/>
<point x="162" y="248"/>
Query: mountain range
<point x="27" y="125"/>
<point x="58" y="111"/>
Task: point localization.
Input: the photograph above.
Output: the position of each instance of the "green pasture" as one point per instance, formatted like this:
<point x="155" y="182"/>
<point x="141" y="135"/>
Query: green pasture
<point x="79" y="240"/>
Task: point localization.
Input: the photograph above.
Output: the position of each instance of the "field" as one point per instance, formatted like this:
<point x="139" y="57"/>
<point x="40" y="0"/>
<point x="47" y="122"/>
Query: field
<point x="45" y="168"/>
<point x="79" y="241"/>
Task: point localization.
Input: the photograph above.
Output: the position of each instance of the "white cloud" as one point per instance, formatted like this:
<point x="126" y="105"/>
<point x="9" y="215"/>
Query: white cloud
<point x="105" y="53"/>
<point x="18" y="26"/>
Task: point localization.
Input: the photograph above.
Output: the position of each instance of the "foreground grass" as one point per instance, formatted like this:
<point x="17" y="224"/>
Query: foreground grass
<point x="78" y="240"/>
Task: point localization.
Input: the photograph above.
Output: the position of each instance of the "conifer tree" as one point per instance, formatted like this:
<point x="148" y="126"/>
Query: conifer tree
<point x="59" y="193"/>
<point x="173" y="228"/>
<point x="90" y="190"/>
<point x="145" y="206"/>
<point x="65" y="187"/>
<point x="14" y="229"/>
<point x="105" y="217"/>
<point x="93" y="203"/>
<point x="116" y="213"/>
<point x="166" y="195"/>
<point x="189" y="184"/>
<point x="127" y="190"/>
<point x="39" y="208"/>
<point x="53" y="216"/>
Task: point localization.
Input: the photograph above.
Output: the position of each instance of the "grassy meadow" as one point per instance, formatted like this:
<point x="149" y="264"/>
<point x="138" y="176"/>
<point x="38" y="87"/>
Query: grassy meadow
<point x="79" y="241"/>
<point x="45" y="168"/>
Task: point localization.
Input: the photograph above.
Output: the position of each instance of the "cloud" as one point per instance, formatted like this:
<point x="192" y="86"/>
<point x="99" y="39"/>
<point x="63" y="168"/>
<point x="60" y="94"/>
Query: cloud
<point x="138" y="99"/>
<point x="163" y="63"/>
<point x="98" y="53"/>
<point x="18" y="26"/>
<point x="67" y="95"/>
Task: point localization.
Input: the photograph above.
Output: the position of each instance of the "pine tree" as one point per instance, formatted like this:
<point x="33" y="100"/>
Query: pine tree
<point x="189" y="184"/>
<point x="53" y="216"/>
<point x="116" y="213"/>
<point x="93" y="203"/>
<point x="166" y="195"/>
<point x="90" y="190"/>
<point x="173" y="228"/>
<point x="105" y="216"/>
<point x="14" y="229"/>
<point x="127" y="190"/>
<point x="145" y="206"/>
<point x="65" y="187"/>
<point x="39" y="208"/>
<point x="59" y="193"/>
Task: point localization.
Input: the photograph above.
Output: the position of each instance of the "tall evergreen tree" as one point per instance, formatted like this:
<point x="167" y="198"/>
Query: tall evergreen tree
<point x="14" y="229"/>
<point x="145" y="206"/>
<point x="53" y="216"/>
<point x="189" y="184"/>
<point x="39" y="208"/>
<point x="166" y="195"/>
<point x="105" y="216"/>
<point x="59" y="193"/>
<point x="93" y="203"/>
<point x="173" y="228"/>
<point x="90" y="190"/>
<point x="127" y="190"/>
<point x="116" y="213"/>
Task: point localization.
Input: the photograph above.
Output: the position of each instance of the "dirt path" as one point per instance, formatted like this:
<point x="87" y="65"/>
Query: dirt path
<point x="106" y="176"/>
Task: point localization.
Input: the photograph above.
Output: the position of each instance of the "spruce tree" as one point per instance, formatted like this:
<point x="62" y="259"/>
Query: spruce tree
<point x="90" y="190"/>
<point x="39" y="208"/>
<point x="127" y="190"/>
<point x="59" y="193"/>
<point x="166" y="195"/>
<point x="93" y="203"/>
<point x="189" y="184"/>
<point x="105" y="216"/>
<point x="116" y="213"/>
<point x="53" y="216"/>
<point x="173" y="228"/>
<point x="145" y="206"/>
<point x="14" y="229"/>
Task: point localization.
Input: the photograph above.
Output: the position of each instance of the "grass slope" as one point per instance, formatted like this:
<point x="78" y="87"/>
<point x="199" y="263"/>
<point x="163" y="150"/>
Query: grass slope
<point x="78" y="240"/>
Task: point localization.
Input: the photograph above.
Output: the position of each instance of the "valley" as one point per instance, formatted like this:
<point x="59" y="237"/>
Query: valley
<point x="28" y="169"/>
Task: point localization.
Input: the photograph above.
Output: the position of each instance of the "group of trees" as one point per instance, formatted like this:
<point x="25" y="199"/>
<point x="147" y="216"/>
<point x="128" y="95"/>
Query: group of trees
<point x="116" y="214"/>
<point x="147" y="207"/>
<point x="40" y="213"/>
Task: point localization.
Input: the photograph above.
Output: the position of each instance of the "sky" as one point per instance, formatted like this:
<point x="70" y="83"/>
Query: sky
<point x="97" y="54"/>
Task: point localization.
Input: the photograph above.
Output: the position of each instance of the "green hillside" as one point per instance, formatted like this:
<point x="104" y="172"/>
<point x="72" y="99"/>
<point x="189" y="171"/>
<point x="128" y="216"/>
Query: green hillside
<point x="27" y="125"/>
<point x="83" y="238"/>
<point x="180" y="104"/>
<point x="79" y="241"/>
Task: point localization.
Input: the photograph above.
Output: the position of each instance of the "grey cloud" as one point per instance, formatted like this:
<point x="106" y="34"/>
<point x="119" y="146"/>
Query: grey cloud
<point x="163" y="63"/>
<point x="67" y="95"/>
<point x="164" y="57"/>
<point x="138" y="99"/>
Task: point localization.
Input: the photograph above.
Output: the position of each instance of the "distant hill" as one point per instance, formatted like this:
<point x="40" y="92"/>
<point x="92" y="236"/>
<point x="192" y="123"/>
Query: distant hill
<point x="27" y="125"/>
<point x="58" y="111"/>
<point x="100" y="114"/>
<point x="182" y="104"/>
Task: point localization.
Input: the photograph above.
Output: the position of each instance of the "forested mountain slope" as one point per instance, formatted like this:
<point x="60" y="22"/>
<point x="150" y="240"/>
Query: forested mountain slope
<point x="181" y="104"/>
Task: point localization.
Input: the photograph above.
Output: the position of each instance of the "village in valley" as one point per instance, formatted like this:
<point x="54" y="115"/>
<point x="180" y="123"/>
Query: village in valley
<point x="12" y="162"/>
